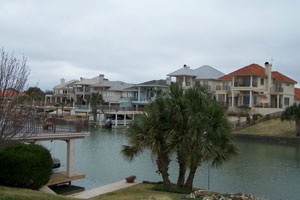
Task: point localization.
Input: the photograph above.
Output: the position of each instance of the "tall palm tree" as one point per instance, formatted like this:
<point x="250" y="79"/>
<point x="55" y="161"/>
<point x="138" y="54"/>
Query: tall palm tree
<point x="209" y="132"/>
<point x="150" y="131"/>
<point x="178" y="135"/>
<point x="292" y="113"/>
<point x="95" y="100"/>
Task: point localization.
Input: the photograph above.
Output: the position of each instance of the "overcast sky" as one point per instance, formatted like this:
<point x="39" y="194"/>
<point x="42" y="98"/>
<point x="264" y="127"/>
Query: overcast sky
<point x="140" y="40"/>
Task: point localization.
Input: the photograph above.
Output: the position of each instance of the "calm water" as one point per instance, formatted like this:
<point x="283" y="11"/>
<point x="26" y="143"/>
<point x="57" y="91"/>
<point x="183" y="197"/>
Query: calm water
<point x="267" y="170"/>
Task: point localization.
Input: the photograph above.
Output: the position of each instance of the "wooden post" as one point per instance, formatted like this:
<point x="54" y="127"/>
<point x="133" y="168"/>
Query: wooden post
<point x="70" y="157"/>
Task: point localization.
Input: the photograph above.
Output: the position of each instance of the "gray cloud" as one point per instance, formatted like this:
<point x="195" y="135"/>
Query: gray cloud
<point x="140" y="40"/>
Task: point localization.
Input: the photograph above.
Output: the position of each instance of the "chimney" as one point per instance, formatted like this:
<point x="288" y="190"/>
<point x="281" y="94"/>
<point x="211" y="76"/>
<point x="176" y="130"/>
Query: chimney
<point x="268" y="72"/>
<point x="101" y="78"/>
<point x="62" y="81"/>
<point x="185" y="66"/>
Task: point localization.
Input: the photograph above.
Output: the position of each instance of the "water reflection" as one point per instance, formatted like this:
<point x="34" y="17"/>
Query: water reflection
<point x="267" y="170"/>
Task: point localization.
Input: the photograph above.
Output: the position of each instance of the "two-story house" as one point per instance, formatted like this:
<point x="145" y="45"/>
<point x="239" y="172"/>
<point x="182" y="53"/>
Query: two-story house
<point x="297" y="96"/>
<point x="204" y="75"/>
<point x="64" y="92"/>
<point x="255" y="86"/>
<point x="144" y="93"/>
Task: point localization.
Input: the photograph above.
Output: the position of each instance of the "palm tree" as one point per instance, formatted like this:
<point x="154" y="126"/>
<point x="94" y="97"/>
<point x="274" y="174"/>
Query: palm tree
<point x="150" y="131"/>
<point x="292" y="113"/>
<point x="96" y="99"/>
<point x="209" y="132"/>
<point x="178" y="135"/>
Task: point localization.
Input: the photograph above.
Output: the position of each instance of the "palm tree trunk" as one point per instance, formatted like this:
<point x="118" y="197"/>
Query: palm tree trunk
<point x="94" y="110"/>
<point x="162" y="162"/>
<point x="182" y="169"/>
<point x="190" y="180"/>
<point x="297" y="127"/>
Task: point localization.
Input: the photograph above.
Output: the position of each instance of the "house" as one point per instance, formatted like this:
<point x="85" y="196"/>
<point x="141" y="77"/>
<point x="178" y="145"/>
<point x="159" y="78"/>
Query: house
<point x="83" y="88"/>
<point x="255" y="86"/>
<point x="297" y="95"/>
<point x="204" y="75"/>
<point x="64" y="92"/>
<point x="114" y="92"/>
<point x="144" y="93"/>
<point x="10" y="94"/>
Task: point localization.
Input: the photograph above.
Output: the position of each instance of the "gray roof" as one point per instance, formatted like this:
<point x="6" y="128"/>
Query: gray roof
<point x="203" y="72"/>
<point x="66" y="84"/>
<point x="114" y="85"/>
<point x="160" y="82"/>
<point x="185" y="71"/>
<point x="88" y="81"/>
<point x="207" y="72"/>
<point x="154" y="83"/>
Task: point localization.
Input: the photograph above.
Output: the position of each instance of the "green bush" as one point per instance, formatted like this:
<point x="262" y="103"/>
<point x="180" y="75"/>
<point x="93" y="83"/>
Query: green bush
<point x="27" y="166"/>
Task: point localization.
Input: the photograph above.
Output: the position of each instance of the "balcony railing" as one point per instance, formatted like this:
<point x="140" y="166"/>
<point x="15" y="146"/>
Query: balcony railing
<point x="240" y="84"/>
<point x="226" y="88"/>
<point x="277" y="89"/>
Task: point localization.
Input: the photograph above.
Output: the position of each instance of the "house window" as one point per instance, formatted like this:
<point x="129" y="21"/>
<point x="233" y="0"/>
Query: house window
<point x="286" y="101"/>
<point x="262" y="81"/>
<point x="246" y="100"/>
<point x="255" y="100"/>
<point x="197" y="83"/>
<point x="287" y="84"/>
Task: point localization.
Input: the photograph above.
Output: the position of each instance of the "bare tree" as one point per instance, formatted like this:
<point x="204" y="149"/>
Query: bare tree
<point x="15" y="111"/>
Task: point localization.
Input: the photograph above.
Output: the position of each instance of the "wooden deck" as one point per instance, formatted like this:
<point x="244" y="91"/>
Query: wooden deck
<point x="61" y="177"/>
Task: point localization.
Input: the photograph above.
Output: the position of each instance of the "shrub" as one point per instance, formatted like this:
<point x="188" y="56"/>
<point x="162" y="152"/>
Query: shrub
<point x="27" y="166"/>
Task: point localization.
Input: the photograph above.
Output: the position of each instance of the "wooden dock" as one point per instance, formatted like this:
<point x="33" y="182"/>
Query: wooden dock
<point x="61" y="177"/>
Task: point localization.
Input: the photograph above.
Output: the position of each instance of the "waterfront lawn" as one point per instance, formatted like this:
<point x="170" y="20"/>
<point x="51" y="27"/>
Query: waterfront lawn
<point x="11" y="193"/>
<point x="140" y="191"/>
<point x="274" y="127"/>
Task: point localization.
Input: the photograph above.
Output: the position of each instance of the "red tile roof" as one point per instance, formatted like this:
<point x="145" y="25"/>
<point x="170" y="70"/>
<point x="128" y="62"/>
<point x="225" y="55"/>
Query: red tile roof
<point x="255" y="69"/>
<point x="297" y="93"/>
<point x="11" y="93"/>
<point x="278" y="77"/>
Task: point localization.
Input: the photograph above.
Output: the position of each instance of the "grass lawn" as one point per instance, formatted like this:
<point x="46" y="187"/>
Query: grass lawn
<point x="9" y="193"/>
<point x="140" y="191"/>
<point x="137" y="192"/>
<point x="274" y="127"/>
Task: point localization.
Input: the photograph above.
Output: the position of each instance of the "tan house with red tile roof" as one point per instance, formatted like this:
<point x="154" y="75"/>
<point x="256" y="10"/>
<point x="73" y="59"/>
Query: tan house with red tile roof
<point x="256" y="87"/>
<point x="297" y="95"/>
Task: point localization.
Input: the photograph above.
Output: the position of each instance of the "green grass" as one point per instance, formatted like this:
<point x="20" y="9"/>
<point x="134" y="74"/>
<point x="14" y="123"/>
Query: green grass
<point x="9" y="193"/>
<point x="140" y="192"/>
<point x="274" y="127"/>
<point x="172" y="188"/>
<point x="136" y="192"/>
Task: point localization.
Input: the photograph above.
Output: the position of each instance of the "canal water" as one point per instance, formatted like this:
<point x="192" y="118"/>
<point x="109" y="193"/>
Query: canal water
<point x="267" y="170"/>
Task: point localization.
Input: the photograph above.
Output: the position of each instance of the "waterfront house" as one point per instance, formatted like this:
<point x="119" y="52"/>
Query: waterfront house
<point x="204" y="75"/>
<point x="114" y="92"/>
<point x="297" y="96"/>
<point x="144" y="93"/>
<point x="64" y="92"/>
<point x="258" y="88"/>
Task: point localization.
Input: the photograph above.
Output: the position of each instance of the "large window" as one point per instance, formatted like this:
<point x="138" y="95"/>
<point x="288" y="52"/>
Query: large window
<point x="286" y="101"/>
<point x="246" y="100"/>
<point x="262" y="81"/>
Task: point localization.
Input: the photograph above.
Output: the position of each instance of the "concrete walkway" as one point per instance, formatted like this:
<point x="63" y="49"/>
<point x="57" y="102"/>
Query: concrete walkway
<point x="102" y="190"/>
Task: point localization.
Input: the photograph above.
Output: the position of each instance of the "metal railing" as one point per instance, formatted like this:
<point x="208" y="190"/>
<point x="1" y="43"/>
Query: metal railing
<point x="277" y="89"/>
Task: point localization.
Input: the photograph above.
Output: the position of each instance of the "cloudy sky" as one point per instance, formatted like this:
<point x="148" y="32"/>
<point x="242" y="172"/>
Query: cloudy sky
<point x="140" y="40"/>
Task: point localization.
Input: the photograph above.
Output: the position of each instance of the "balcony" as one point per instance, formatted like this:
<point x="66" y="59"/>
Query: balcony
<point x="225" y="88"/>
<point x="277" y="90"/>
<point x="244" y="84"/>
